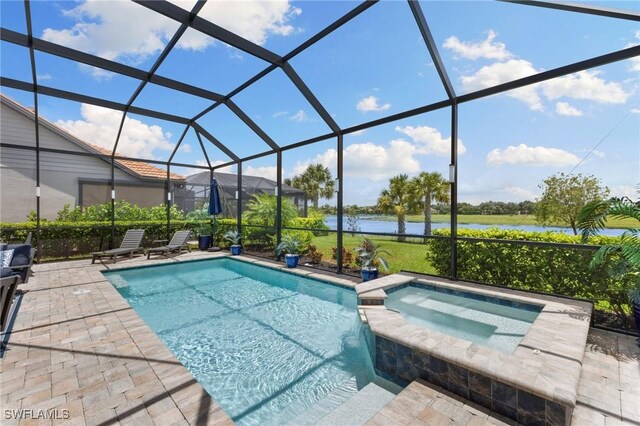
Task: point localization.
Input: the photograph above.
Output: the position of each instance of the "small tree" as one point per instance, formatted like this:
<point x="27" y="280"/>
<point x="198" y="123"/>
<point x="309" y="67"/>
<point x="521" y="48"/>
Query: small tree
<point x="262" y="210"/>
<point x="564" y="197"/>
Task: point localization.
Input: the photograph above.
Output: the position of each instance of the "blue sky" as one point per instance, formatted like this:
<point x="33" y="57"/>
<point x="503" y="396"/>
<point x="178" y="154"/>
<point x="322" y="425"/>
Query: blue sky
<point x="375" y="66"/>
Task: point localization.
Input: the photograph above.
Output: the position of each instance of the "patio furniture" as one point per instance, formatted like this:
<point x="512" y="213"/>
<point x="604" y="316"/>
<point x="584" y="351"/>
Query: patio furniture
<point x="177" y="244"/>
<point x="131" y="243"/>
<point x="8" y="287"/>
<point x="21" y="261"/>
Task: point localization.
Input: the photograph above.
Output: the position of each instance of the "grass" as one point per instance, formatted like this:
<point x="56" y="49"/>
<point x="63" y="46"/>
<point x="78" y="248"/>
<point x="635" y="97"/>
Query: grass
<point x="402" y="256"/>
<point x="501" y="220"/>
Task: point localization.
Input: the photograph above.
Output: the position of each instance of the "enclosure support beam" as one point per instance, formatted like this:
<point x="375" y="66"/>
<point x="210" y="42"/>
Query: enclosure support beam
<point x="279" y="197"/>
<point x="27" y="10"/>
<point x="416" y="9"/>
<point x="176" y="13"/>
<point x="113" y="204"/>
<point x="77" y="97"/>
<point x="239" y="200"/>
<point x="251" y="124"/>
<point x="340" y="201"/>
<point x="581" y="8"/>
<point x="454" y="191"/>
<point x="168" y="198"/>
<point x="105" y="64"/>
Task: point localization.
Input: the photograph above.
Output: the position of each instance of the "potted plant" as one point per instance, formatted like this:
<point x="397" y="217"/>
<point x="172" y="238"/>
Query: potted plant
<point x="623" y="257"/>
<point x="234" y="238"/>
<point x="292" y="246"/>
<point x="203" y="227"/>
<point x="370" y="260"/>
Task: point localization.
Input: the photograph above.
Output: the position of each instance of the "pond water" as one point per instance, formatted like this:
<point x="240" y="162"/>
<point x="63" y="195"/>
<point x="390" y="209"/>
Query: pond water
<point x="374" y="224"/>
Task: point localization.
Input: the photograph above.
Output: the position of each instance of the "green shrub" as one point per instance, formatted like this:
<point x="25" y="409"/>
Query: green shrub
<point x="557" y="270"/>
<point x="314" y="222"/>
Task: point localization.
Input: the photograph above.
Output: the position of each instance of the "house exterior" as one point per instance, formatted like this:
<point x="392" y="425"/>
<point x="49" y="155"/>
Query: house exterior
<point x="77" y="180"/>
<point x="197" y="191"/>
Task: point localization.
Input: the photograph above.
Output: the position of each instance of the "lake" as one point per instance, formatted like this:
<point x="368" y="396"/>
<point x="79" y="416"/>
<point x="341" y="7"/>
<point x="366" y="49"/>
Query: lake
<point x="371" y="224"/>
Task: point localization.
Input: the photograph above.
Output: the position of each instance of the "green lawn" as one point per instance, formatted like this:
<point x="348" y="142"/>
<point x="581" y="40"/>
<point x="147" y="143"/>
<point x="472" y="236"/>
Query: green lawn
<point x="501" y="220"/>
<point x="407" y="256"/>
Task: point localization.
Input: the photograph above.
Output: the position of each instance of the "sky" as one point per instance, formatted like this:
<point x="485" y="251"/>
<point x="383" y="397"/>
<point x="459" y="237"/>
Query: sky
<point x="375" y="66"/>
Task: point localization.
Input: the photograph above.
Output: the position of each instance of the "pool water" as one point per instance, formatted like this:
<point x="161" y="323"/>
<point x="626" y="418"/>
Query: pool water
<point x="265" y="344"/>
<point x="490" y="322"/>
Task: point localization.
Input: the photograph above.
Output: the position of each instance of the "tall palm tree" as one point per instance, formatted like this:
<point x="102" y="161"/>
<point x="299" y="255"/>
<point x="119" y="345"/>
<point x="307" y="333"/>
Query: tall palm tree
<point x="426" y="188"/>
<point x="397" y="200"/>
<point x="315" y="181"/>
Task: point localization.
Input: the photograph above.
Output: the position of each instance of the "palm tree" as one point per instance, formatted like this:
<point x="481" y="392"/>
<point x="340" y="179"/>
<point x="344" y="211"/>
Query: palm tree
<point x="397" y="200"/>
<point x="315" y="181"/>
<point x="426" y="188"/>
<point x="262" y="210"/>
<point x="623" y="257"/>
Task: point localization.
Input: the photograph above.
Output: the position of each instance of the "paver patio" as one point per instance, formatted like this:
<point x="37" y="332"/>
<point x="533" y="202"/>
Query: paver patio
<point x="77" y="345"/>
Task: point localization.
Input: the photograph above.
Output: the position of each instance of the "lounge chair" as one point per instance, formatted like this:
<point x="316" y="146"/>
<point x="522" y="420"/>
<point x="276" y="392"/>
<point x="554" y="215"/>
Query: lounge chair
<point x="21" y="261"/>
<point x="8" y="287"/>
<point x="131" y="243"/>
<point x="177" y="244"/>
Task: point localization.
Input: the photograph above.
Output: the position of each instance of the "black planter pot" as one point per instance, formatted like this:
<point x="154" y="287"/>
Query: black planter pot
<point x="368" y="274"/>
<point x="204" y="242"/>
<point x="292" y="260"/>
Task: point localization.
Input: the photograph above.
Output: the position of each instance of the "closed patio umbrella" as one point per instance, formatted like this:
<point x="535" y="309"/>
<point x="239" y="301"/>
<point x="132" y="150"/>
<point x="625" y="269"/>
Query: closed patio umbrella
<point x="215" y="205"/>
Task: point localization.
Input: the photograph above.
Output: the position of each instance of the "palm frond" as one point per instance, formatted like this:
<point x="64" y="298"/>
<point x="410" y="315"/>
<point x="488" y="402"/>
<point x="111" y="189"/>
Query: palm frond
<point x="592" y="218"/>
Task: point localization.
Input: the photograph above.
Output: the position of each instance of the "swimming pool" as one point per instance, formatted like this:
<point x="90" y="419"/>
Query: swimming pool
<point x="265" y="344"/>
<point x="496" y="323"/>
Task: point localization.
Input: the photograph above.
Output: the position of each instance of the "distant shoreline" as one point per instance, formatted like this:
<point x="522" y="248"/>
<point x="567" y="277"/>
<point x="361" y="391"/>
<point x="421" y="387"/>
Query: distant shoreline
<point x="490" y="220"/>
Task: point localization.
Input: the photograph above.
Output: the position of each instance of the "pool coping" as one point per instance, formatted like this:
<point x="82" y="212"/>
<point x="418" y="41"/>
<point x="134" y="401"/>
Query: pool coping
<point x="559" y="334"/>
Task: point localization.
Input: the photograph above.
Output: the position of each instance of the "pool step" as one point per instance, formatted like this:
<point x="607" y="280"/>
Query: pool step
<point x="326" y="405"/>
<point x="358" y="409"/>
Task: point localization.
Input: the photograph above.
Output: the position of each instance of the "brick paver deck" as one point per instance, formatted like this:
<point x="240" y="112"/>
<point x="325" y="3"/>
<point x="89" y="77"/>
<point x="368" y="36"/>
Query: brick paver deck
<point x="80" y="351"/>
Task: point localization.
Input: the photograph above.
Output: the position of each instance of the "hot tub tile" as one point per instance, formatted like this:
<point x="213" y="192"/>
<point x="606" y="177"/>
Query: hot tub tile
<point x="421" y="360"/>
<point x="555" y="414"/>
<point x="480" y="384"/>
<point x="531" y="404"/>
<point x="504" y="409"/>
<point x="504" y="394"/>
<point x="480" y="398"/>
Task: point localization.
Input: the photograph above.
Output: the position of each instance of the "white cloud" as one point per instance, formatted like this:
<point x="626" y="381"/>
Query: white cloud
<point x="520" y="194"/>
<point x="358" y="132"/>
<point x="634" y="62"/>
<point x="487" y="48"/>
<point x="585" y="85"/>
<point x="226" y="169"/>
<point x="131" y="33"/>
<point x="532" y="156"/>
<point x="370" y="103"/>
<point x="370" y="161"/>
<point x="635" y="110"/>
<point x="625" y="191"/>
<point x="43" y="77"/>
<point x="299" y="116"/>
<point x="269" y="172"/>
<point x="430" y="141"/>
<point x="502" y="72"/>
<point x="99" y="126"/>
<point x="279" y="114"/>
<point x="186" y="148"/>
<point x="563" y="108"/>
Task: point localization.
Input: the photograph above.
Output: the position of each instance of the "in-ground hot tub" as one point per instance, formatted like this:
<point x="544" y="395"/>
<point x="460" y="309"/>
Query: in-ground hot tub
<point x="442" y="331"/>
<point x="493" y="322"/>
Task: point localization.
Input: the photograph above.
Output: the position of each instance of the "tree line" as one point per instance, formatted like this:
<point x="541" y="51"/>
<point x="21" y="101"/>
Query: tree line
<point x="563" y="197"/>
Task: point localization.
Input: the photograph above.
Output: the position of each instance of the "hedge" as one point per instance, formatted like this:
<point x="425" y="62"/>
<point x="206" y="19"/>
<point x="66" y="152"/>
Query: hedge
<point x="556" y="270"/>
<point x="63" y="240"/>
